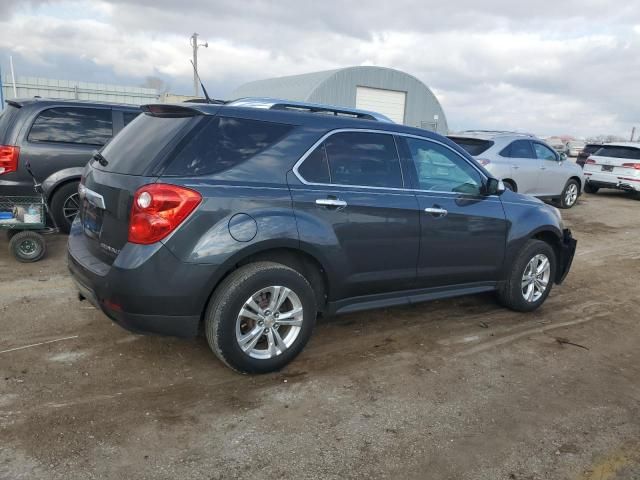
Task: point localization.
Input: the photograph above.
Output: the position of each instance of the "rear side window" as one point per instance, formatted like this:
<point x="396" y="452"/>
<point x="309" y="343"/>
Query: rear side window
<point x="224" y="142"/>
<point x="518" y="149"/>
<point x="360" y="158"/>
<point x="474" y="146"/>
<point x="139" y="146"/>
<point x="85" y="126"/>
<point x="619" y="152"/>
<point x="129" y="117"/>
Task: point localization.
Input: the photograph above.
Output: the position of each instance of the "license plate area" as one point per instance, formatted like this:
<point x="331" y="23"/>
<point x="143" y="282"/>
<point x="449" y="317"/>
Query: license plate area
<point x="607" y="168"/>
<point x="92" y="219"/>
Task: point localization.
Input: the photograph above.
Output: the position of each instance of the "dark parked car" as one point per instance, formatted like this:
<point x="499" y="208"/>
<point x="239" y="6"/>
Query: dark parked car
<point x="248" y="222"/>
<point x="588" y="150"/>
<point x="57" y="138"/>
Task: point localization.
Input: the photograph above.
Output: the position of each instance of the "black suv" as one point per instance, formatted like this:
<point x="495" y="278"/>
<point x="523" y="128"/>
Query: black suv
<point x="248" y="222"/>
<point x="57" y="138"/>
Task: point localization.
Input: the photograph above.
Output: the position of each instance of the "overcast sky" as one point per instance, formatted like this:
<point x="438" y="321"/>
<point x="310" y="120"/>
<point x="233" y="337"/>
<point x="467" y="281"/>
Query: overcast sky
<point x="550" y="67"/>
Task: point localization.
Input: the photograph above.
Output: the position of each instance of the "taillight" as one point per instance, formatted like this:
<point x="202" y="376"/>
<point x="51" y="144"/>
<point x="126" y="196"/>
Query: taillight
<point x="9" y="158"/>
<point x="635" y="166"/>
<point x="483" y="161"/>
<point x="590" y="161"/>
<point x="158" y="209"/>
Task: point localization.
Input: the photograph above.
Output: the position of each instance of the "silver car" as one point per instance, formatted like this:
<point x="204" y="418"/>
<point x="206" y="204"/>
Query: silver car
<point x="525" y="164"/>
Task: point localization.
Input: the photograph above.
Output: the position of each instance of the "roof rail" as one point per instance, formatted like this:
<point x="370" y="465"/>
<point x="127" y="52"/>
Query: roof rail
<point x="280" y="104"/>
<point x="500" y="132"/>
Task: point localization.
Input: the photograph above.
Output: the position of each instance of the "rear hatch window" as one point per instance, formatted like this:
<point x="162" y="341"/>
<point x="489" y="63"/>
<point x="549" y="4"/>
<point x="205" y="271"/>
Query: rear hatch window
<point x="613" y="151"/>
<point x="8" y="118"/>
<point x="139" y="147"/>
<point x="474" y="146"/>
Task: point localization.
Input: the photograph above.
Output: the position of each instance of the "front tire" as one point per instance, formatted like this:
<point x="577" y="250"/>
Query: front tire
<point x="569" y="196"/>
<point x="260" y="317"/>
<point x="530" y="278"/>
<point x="64" y="206"/>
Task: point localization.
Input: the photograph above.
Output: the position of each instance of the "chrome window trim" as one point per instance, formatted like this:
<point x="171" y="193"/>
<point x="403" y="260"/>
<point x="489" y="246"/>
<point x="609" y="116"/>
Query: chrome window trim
<point x="384" y="132"/>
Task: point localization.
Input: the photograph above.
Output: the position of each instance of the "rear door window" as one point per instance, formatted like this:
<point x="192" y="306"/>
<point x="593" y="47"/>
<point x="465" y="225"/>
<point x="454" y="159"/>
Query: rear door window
<point x="365" y="159"/>
<point x="79" y="125"/>
<point x="223" y="142"/>
<point x="518" y="149"/>
<point x="315" y="168"/>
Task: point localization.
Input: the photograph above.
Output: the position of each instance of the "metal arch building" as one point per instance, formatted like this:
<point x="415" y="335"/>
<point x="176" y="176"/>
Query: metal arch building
<point x="396" y="94"/>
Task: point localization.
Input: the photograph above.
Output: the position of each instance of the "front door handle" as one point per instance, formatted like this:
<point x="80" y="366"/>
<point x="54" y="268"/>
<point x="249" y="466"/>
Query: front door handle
<point x="331" y="202"/>
<point x="436" y="212"/>
<point x="515" y="166"/>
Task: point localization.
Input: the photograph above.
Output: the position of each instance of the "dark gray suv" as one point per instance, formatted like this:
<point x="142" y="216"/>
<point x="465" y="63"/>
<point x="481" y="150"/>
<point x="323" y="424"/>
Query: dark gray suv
<point x="246" y="223"/>
<point x="56" y="137"/>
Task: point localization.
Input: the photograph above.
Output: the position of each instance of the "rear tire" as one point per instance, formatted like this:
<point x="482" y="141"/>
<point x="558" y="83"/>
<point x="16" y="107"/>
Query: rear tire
<point x="27" y="246"/>
<point x="588" y="188"/>
<point x="232" y="321"/>
<point x="515" y="293"/>
<point x="64" y="205"/>
<point x="570" y="194"/>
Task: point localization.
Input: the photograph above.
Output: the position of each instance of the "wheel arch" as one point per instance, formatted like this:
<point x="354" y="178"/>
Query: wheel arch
<point x="512" y="182"/>
<point x="62" y="177"/>
<point x="579" y="180"/>
<point x="296" y="257"/>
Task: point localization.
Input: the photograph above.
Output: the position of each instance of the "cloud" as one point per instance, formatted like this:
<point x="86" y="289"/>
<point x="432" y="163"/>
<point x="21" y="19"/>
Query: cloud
<point x="556" y="67"/>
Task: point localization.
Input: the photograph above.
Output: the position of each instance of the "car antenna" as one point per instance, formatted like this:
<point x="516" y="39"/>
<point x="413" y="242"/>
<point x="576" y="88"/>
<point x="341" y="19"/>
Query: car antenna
<point x="204" y="90"/>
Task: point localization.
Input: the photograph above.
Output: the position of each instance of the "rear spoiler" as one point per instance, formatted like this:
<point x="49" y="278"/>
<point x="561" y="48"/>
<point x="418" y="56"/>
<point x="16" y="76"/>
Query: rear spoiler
<point x="162" y="110"/>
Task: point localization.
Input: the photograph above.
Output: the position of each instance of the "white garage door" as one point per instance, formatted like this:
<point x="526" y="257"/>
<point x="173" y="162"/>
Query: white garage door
<point x="387" y="102"/>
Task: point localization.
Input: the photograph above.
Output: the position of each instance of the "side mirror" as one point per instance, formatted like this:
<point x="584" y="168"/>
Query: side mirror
<point x="563" y="157"/>
<point x="493" y="186"/>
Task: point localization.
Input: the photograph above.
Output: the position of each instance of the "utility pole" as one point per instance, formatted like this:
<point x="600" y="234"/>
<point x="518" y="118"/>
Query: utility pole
<point x="633" y="134"/>
<point x="13" y="77"/>
<point x="195" y="45"/>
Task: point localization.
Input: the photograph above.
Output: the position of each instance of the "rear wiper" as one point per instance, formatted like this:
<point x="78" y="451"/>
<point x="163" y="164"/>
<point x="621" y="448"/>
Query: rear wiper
<point x="100" y="158"/>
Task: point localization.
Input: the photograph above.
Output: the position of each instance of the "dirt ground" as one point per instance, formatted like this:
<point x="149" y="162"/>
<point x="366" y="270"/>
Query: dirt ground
<point x="457" y="389"/>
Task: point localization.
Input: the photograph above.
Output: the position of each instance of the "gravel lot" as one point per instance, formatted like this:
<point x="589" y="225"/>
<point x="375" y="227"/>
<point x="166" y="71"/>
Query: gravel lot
<point x="456" y="389"/>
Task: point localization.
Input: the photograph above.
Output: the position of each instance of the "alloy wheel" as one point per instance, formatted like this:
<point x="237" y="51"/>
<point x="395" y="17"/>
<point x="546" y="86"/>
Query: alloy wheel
<point x="571" y="195"/>
<point x="535" y="278"/>
<point x="269" y="322"/>
<point x="70" y="207"/>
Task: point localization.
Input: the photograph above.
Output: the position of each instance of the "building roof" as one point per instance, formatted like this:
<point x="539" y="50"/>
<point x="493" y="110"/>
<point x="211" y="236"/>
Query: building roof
<point x="293" y="87"/>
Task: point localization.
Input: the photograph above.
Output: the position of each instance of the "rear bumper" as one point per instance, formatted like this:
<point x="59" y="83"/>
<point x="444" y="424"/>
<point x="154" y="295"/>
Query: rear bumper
<point x="615" y="181"/>
<point x="155" y="294"/>
<point x="568" y="251"/>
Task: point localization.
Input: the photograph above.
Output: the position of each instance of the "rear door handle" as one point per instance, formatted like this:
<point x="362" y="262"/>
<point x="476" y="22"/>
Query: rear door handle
<point x="436" y="212"/>
<point x="515" y="166"/>
<point x="331" y="202"/>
